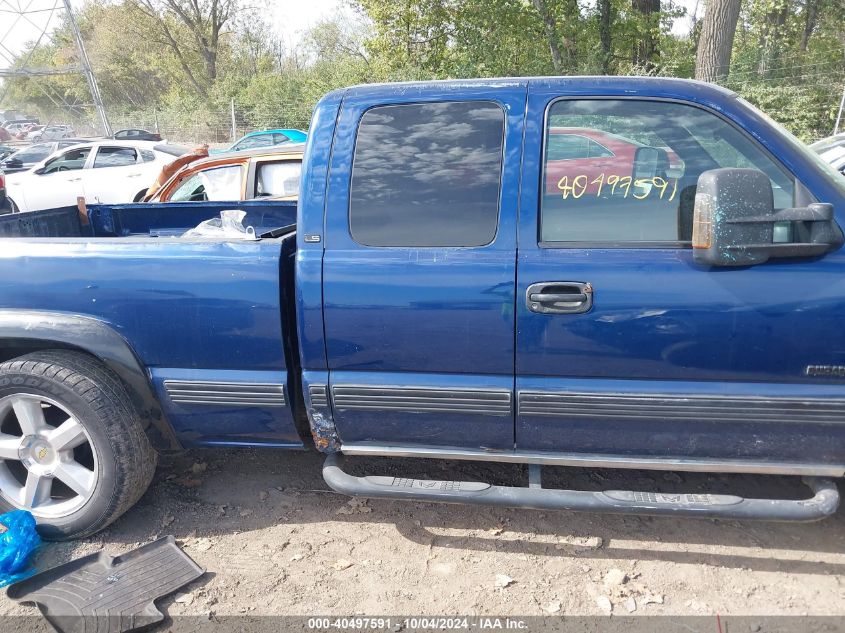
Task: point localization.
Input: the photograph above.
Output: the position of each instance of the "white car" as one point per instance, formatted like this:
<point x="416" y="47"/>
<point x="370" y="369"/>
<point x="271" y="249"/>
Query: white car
<point x="50" y="133"/>
<point x="104" y="172"/>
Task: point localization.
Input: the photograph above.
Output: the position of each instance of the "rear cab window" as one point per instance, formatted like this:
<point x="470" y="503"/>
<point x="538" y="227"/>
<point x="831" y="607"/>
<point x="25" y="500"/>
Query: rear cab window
<point x="427" y="175"/>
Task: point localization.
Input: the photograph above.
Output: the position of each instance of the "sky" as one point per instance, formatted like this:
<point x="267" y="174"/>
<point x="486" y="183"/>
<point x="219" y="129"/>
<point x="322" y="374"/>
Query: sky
<point x="290" y="17"/>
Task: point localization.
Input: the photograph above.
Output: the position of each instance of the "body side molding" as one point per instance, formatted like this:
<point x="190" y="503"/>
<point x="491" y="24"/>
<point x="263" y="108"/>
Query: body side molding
<point x="681" y="407"/>
<point x="377" y="398"/>
<point x="245" y="394"/>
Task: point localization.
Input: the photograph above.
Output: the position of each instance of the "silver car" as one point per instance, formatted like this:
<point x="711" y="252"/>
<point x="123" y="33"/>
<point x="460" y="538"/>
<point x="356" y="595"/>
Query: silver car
<point x="50" y="133"/>
<point x="832" y="150"/>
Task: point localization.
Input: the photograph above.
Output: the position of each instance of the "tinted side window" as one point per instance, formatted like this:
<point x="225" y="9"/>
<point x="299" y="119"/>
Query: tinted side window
<point x="115" y="157"/>
<point x="71" y="160"/>
<point x="644" y="190"/>
<point x="427" y="175"/>
<point x="261" y="140"/>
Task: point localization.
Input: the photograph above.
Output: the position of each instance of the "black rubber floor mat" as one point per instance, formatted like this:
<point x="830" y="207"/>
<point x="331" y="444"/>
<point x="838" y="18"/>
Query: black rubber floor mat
<point x="109" y="594"/>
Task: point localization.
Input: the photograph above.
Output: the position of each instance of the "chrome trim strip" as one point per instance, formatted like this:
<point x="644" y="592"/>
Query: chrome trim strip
<point x="243" y="394"/>
<point x="319" y="396"/>
<point x="680" y="407"/>
<point x="234" y="386"/>
<point x="421" y="399"/>
<point x="587" y="460"/>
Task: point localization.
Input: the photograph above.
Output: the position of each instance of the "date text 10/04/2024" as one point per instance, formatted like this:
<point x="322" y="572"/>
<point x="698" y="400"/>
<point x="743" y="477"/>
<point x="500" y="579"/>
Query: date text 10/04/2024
<point x="418" y="623"/>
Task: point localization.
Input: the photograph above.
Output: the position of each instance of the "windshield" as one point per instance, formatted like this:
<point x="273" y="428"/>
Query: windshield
<point x="33" y="154"/>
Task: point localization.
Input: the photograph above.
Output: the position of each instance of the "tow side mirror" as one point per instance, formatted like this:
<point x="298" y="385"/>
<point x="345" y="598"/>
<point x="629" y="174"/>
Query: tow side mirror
<point x="649" y="162"/>
<point x="734" y="222"/>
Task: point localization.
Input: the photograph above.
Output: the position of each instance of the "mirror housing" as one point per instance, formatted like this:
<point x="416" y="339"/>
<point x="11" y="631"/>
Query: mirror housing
<point x="649" y="162"/>
<point x="734" y="222"/>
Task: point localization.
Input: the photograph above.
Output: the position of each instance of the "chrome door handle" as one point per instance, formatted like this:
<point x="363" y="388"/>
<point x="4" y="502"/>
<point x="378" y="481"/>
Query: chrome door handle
<point x="559" y="297"/>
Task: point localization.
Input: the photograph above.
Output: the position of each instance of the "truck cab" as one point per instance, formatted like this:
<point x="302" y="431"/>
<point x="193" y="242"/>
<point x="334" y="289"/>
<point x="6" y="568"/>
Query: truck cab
<point x="582" y="272"/>
<point x="488" y="293"/>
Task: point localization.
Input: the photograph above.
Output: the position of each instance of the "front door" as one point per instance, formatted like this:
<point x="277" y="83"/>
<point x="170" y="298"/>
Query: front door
<point x="59" y="183"/>
<point x="419" y="268"/>
<point x="625" y="347"/>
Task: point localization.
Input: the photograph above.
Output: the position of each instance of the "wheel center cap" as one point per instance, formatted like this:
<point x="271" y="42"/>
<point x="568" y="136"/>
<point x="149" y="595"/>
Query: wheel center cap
<point x="36" y="454"/>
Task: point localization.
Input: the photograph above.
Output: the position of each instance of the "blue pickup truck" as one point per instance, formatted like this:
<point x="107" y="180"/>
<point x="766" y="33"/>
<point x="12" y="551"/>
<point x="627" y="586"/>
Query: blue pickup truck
<point x="581" y="272"/>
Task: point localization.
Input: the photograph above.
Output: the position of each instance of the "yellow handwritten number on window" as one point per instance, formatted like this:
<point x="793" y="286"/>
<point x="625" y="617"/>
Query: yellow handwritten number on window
<point x="640" y="189"/>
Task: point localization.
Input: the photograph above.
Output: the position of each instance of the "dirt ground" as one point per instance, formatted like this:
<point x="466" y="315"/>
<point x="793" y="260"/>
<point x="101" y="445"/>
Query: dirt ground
<point x="275" y="540"/>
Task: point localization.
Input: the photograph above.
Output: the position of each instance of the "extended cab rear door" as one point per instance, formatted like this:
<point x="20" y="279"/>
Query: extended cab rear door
<point x="419" y="264"/>
<point x="626" y="349"/>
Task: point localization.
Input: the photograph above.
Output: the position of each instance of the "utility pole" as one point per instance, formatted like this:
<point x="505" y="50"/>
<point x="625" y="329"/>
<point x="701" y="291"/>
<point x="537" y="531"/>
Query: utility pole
<point x="839" y="115"/>
<point x="234" y="124"/>
<point x="86" y="70"/>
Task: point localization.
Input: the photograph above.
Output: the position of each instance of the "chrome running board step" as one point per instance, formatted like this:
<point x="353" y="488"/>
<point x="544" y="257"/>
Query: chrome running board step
<point x="823" y="503"/>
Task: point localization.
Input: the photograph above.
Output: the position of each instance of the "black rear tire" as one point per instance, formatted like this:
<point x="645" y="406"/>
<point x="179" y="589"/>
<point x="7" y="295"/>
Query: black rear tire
<point x="98" y="400"/>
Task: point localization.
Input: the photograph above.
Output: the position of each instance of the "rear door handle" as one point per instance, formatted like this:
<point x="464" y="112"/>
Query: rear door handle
<point x="559" y="297"/>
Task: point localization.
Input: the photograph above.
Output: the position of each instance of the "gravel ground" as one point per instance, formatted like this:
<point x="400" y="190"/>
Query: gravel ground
<point x="276" y="541"/>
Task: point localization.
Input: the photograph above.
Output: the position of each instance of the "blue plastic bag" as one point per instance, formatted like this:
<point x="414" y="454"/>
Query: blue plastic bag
<point x="18" y="540"/>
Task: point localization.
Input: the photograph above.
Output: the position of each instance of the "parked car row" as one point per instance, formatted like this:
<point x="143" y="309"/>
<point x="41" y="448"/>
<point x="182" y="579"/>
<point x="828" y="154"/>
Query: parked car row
<point x="30" y="131"/>
<point x="15" y="127"/>
<point x="58" y="170"/>
<point x="5" y="207"/>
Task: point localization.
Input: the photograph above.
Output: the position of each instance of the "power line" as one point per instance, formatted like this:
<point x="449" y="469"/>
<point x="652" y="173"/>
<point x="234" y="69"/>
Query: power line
<point x="19" y="67"/>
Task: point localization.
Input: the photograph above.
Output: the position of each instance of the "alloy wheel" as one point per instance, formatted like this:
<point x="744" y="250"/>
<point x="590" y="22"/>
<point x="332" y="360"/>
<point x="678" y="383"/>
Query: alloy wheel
<point x="48" y="463"/>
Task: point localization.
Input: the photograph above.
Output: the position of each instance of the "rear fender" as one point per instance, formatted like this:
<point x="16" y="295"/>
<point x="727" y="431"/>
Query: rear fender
<point x="31" y="330"/>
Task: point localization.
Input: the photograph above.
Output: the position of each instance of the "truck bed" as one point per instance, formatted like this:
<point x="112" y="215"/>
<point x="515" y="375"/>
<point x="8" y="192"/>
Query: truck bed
<point x="205" y="317"/>
<point x="151" y="219"/>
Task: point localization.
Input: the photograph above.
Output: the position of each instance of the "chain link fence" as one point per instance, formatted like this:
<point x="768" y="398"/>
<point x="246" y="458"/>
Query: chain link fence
<point x="215" y="127"/>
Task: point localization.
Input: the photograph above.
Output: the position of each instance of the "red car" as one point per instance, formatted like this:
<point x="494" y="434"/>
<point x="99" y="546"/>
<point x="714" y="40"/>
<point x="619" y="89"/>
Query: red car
<point x="585" y="160"/>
